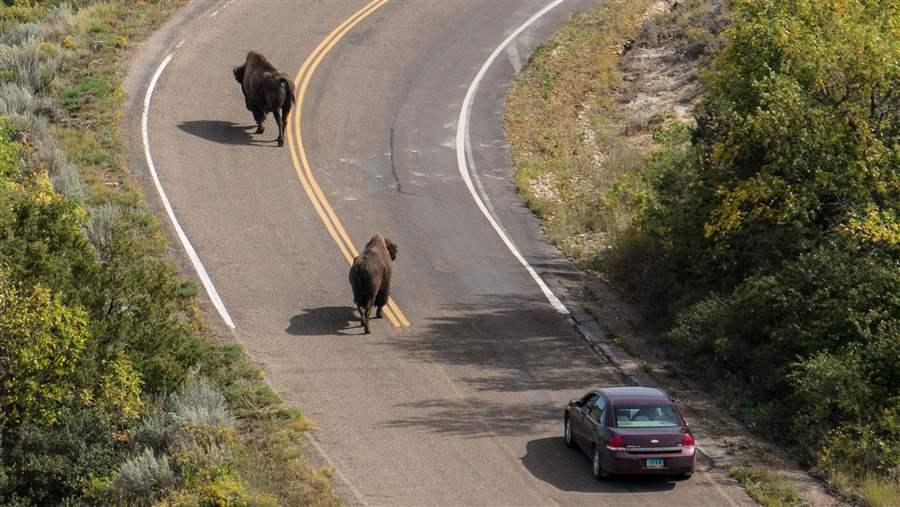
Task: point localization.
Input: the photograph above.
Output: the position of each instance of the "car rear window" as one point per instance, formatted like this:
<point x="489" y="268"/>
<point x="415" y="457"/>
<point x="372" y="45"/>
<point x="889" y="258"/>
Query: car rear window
<point x="646" y="416"/>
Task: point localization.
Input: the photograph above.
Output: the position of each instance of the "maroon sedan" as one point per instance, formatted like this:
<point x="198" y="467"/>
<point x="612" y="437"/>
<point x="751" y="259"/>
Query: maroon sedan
<point x="630" y="430"/>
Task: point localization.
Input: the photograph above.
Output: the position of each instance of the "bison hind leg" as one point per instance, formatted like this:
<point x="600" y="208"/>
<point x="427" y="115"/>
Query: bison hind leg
<point x="259" y="115"/>
<point x="365" y="319"/>
<point x="381" y="299"/>
<point x="280" y="123"/>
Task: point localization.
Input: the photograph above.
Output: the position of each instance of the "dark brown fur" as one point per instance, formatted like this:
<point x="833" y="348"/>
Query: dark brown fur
<point x="370" y="277"/>
<point x="265" y="91"/>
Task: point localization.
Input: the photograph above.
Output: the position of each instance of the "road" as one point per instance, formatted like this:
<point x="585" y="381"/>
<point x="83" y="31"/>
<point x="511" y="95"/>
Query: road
<point x="463" y="405"/>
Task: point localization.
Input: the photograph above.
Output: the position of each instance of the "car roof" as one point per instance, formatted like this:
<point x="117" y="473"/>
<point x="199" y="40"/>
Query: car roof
<point x="631" y="394"/>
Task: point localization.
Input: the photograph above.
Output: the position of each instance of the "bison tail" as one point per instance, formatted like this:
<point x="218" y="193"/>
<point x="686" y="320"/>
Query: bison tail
<point x="290" y="99"/>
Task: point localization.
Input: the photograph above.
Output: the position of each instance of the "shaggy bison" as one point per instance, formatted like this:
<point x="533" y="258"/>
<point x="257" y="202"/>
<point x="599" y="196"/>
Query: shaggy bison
<point x="265" y="90"/>
<point x="370" y="277"/>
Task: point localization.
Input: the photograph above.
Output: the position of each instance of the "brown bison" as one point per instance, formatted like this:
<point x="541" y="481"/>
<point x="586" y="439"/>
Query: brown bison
<point x="370" y="277"/>
<point x="265" y="90"/>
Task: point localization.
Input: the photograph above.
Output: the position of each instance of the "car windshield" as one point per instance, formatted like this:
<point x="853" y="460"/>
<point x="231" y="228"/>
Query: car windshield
<point x="646" y="416"/>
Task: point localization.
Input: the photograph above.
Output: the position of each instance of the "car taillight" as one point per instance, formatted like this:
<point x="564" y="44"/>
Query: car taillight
<point x="688" y="440"/>
<point x="616" y="443"/>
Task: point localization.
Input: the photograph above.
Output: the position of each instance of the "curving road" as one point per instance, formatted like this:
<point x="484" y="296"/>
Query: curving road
<point x="462" y="406"/>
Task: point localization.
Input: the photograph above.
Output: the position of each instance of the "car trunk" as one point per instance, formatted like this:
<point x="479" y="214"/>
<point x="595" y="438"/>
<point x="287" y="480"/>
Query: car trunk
<point x="652" y="439"/>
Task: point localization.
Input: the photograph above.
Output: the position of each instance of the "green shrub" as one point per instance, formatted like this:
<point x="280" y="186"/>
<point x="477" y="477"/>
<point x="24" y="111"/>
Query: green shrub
<point x="143" y="478"/>
<point x="49" y="463"/>
<point x="29" y="65"/>
<point x="135" y="308"/>
<point x="774" y="238"/>
<point x="15" y="99"/>
<point x="19" y="33"/>
<point x="101" y="224"/>
<point x="198" y="403"/>
<point x="68" y="183"/>
<point x="42" y="346"/>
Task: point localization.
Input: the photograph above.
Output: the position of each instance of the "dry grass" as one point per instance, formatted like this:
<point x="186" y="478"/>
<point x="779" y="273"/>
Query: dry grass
<point x="580" y="117"/>
<point x="880" y="492"/>
<point x="566" y="129"/>
<point x="273" y="463"/>
<point x="766" y="488"/>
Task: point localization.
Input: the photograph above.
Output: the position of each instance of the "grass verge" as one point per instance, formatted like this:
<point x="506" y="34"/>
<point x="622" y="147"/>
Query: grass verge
<point x="564" y="127"/>
<point x="765" y="487"/>
<point x="594" y="103"/>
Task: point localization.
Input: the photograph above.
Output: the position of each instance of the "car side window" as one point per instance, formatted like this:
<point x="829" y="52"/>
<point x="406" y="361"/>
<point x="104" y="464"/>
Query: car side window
<point x="597" y="408"/>
<point x="587" y="403"/>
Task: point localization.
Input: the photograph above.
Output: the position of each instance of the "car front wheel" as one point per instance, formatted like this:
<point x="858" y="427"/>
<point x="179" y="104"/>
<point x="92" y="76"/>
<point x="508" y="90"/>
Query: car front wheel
<point x="567" y="434"/>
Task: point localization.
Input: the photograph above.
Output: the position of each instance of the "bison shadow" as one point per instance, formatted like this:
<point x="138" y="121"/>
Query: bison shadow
<point x="549" y="460"/>
<point x="326" y="320"/>
<point x="224" y="132"/>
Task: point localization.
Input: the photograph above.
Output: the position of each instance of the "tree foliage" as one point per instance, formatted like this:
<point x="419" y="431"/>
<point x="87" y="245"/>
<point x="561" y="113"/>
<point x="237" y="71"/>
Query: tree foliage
<point x="775" y="231"/>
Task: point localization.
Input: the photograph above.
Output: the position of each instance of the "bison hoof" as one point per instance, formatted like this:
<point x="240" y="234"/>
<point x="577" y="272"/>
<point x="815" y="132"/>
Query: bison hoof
<point x="280" y="143"/>
<point x="260" y="129"/>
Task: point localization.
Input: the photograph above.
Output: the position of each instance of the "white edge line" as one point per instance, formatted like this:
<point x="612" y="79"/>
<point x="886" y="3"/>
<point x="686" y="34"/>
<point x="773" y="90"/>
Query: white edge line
<point x="462" y="129"/>
<point x="351" y="487"/>
<point x="192" y="254"/>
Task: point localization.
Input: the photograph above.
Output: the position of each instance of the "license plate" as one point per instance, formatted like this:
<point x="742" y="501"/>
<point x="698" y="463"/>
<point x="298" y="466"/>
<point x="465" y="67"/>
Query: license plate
<point x="655" y="463"/>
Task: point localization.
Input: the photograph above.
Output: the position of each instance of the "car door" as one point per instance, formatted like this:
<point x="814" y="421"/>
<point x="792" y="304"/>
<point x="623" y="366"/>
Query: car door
<point x="594" y="420"/>
<point x="581" y="426"/>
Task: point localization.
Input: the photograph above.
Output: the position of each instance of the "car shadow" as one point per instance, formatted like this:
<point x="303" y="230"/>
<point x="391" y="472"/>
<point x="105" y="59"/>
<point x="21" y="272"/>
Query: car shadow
<point x="549" y="460"/>
<point x="326" y="320"/>
<point x="225" y="132"/>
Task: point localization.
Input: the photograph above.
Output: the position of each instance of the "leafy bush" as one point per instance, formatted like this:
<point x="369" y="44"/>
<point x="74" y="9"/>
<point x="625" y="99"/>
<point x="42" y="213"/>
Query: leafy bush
<point x="186" y="440"/>
<point x="774" y="237"/>
<point x="49" y="463"/>
<point x="42" y="345"/>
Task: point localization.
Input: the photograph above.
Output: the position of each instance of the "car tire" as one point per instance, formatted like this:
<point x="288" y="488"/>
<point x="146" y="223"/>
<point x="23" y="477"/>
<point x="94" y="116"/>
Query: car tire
<point x="567" y="434"/>
<point x="597" y="467"/>
<point x="683" y="477"/>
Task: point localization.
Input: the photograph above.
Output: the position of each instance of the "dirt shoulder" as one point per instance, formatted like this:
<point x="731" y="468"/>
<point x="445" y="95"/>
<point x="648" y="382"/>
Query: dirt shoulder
<point x="646" y="74"/>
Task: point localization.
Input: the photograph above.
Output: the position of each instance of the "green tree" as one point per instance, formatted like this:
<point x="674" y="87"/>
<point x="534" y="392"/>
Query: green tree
<point x="776" y="233"/>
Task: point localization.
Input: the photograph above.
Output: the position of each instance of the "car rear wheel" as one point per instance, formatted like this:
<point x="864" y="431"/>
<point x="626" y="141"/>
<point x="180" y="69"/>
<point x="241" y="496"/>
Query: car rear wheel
<point x="567" y="434"/>
<point x="597" y="467"/>
<point x="683" y="477"/>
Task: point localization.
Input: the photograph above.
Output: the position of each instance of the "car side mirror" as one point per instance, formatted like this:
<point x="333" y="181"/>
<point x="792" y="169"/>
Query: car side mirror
<point x="574" y="403"/>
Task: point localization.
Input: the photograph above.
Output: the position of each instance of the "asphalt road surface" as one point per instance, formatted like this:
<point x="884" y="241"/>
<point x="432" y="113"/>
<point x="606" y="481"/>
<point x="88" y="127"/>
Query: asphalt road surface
<point x="463" y="405"/>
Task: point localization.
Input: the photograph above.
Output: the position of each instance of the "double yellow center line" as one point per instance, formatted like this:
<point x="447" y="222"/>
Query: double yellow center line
<point x="298" y="153"/>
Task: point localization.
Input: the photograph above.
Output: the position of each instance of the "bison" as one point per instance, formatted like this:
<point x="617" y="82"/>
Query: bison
<point x="370" y="277"/>
<point x="265" y="90"/>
